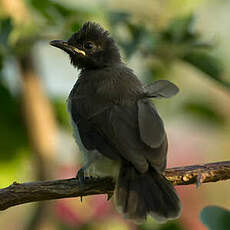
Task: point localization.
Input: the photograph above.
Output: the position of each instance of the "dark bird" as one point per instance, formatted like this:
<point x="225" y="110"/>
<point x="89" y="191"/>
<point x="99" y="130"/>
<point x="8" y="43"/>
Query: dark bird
<point x="118" y="128"/>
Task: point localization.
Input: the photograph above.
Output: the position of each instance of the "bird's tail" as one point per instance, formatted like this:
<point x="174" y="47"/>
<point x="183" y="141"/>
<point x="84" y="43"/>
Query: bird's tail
<point x="138" y="195"/>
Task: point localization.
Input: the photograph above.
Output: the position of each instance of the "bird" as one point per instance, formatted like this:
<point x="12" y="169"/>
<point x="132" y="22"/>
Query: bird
<point x="117" y="127"/>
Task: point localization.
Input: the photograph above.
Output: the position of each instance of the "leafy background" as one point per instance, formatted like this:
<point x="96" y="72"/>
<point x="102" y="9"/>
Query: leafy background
<point x="186" y="42"/>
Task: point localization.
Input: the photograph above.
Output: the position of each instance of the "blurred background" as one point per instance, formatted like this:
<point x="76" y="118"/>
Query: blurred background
<point x="186" y="42"/>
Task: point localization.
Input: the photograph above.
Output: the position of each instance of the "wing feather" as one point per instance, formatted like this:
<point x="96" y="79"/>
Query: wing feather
<point x="150" y="124"/>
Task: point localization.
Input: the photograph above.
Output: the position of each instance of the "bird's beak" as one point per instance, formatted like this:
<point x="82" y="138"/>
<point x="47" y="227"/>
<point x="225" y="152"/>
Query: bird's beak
<point x="66" y="47"/>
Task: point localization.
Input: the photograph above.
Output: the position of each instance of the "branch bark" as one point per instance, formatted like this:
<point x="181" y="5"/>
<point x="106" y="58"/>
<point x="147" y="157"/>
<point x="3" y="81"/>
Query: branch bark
<point x="18" y="193"/>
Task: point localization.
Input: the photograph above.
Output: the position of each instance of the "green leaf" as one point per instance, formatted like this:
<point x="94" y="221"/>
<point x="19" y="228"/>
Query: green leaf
<point x="61" y="113"/>
<point x="171" y="225"/>
<point x="63" y="10"/>
<point x="138" y="34"/>
<point x="215" y="218"/>
<point x="13" y="135"/>
<point x="70" y="28"/>
<point x="205" y="62"/>
<point x="117" y="17"/>
<point x="204" y="111"/>
<point x="1" y="63"/>
<point x="43" y="7"/>
<point x="180" y="30"/>
<point x="5" y="29"/>
<point x="52" y="11"/>
<point x="151" y="224"/>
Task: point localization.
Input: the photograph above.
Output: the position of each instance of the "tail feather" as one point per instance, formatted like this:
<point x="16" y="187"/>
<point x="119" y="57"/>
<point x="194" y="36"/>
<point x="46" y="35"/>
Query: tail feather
<point x="138" y="195"/>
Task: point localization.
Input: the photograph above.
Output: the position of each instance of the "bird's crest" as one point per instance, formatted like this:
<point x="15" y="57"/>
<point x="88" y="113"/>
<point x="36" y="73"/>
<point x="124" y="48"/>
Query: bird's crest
<point x="91" y="31"/>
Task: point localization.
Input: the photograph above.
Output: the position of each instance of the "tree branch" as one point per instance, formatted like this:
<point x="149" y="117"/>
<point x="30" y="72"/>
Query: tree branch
<point x="17" y="193"/>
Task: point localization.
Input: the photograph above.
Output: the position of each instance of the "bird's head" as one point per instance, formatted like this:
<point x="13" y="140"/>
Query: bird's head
<point x="90" y="48"/>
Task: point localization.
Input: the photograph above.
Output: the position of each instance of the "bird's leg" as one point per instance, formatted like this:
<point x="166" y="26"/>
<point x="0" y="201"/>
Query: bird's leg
<point x="81" y="172"/>
<point x="81" y="175"/>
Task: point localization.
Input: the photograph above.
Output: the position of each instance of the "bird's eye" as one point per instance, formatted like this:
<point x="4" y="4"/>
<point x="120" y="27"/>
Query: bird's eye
<point x="89" y="45"/>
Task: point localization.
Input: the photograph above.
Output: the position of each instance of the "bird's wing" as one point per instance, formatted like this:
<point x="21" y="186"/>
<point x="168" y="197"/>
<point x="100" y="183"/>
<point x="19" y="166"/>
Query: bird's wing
<point x="161" y="88"/>
<point x="120" y="126"/>
<point x="133" y="132"/>
<point x="136" y="132"/>
<point x="150" y="124"/>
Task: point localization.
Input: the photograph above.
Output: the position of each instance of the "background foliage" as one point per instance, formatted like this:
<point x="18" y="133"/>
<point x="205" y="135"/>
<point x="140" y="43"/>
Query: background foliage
<point x="183" y="41"/>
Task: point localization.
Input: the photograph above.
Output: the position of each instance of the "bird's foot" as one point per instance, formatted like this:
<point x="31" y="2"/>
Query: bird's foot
<point x="81" y="176"/>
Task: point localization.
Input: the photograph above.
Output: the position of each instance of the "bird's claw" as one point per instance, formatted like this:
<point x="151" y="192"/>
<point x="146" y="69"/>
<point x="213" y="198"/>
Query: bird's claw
<point x="81" y="175"/>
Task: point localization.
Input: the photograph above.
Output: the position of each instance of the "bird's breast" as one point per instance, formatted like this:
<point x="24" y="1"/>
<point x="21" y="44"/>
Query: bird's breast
<point x="99" y="165"/>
